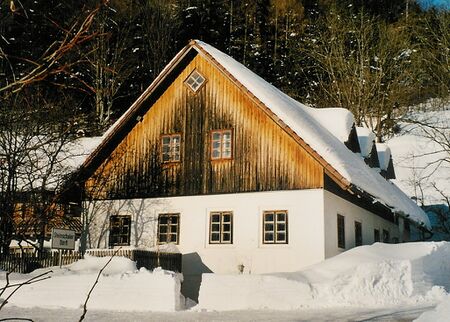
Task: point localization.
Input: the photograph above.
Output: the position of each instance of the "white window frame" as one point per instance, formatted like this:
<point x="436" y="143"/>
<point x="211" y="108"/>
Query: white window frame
<point x="174" y="148"/>
<point x="222" y="146"/>
<point x="195" y="81"/>
<point x="221" y="224"/>
<point x="276" y="223"/>
<point x="169" y="231"/>
<point x="119" y="223"/>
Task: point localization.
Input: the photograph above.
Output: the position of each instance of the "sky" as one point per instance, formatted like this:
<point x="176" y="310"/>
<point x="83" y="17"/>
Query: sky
<point x="440" y="4"/>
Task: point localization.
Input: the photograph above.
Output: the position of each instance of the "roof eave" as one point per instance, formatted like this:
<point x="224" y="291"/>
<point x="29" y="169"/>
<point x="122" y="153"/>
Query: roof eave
<point x="360" y="192"/>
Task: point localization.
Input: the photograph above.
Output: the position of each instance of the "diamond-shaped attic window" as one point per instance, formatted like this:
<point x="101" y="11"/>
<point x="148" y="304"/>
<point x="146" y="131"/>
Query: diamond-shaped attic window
<point x="195" y="81"/>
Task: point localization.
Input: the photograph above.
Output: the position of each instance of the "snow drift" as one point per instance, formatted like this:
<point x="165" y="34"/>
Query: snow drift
<point x="121" y="287"/>
<point x="440" y="313"/>
<point x="367" y="276"/>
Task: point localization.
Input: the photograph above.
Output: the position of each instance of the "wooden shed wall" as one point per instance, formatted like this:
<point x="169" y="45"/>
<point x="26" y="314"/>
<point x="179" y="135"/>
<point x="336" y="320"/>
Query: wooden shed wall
<point x="265" y="157"/>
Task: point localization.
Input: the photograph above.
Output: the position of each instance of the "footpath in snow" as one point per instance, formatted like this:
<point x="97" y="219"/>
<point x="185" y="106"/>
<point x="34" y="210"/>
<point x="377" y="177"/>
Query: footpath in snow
<point x="369" y="276"/>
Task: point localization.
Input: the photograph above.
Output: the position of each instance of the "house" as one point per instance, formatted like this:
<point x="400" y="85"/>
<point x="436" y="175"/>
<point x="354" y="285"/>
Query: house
<point x="237" y="175"/>
<point x="32" y="194"/>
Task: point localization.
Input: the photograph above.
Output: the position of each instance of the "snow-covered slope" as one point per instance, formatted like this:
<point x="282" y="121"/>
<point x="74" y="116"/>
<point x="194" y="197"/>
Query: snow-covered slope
<point x="367" y="276"/>
<point x="417" y="156"/>
<point x="440" y="314"/>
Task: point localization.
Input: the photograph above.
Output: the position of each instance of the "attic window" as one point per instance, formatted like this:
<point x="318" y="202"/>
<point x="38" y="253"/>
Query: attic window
<point x="195" y="81"/>
<point x="221" y="144"/>
<point x="171" y="148"/>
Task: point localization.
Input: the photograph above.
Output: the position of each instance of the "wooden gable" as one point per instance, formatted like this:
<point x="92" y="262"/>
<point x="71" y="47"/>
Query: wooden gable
<point x="265" y="156"/>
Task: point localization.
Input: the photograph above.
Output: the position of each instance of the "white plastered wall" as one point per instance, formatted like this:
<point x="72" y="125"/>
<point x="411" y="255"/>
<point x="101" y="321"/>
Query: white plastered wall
<point x="334" y="205"/>
<point x="305" y="230"/>
<point x="305" y="222"/>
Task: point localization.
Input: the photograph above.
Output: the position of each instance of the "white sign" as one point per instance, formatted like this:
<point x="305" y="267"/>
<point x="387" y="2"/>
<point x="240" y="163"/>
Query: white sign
<point x="63" y="239"/>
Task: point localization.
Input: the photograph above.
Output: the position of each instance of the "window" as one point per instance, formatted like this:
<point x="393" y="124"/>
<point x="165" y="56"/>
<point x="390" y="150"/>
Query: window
<point x="341" y="231"/>
<point x="221" y="144"/>
<point x="406" y="225"/>
<point x="376" y="235"/>
<point x="275" y="227"/>
<point x="168" y="228"/>
<point x="195" y="81"/>
<point x="171" y="148"/>
<point x="221" y="228"/>
<point x="119" y="230"/>
<point x="386" y="237"/>
<point x="358" y="233"/>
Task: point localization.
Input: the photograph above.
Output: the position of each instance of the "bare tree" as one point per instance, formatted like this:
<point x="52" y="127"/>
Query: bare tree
<point x="364" y="67"/>
<point x="431" y="167"/>
<point x="35" y="143"/>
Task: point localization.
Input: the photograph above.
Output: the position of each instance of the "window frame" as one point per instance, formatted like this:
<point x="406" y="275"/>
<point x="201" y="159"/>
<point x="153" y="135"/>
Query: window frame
<point x="195" y="91"/>
<point x="120" y="235"/>
<point x="171" y="153"/>
<point x="340" y="232"/>
<point x="221" y="132"/>
<point x="387" y="234"/>
<point x="406" y="225"/>
<point x="376" y="233"/>
<point x="358" y="234"/>
<point x="221" y="231"/>
<point x="275" y="222"/>
<point x="168" y="224"/>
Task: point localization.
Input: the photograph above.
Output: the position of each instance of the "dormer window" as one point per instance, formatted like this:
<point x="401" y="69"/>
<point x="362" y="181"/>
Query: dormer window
<point x="195" y="81"/>
<point x="171" y="150"/>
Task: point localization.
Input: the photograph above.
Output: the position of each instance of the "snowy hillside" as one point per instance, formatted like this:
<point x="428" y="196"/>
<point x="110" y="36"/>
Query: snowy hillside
<point x="419" y="153"/>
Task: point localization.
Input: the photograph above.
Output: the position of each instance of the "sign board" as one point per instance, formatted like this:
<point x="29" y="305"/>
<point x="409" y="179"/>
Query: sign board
<point x="63" y="238"/>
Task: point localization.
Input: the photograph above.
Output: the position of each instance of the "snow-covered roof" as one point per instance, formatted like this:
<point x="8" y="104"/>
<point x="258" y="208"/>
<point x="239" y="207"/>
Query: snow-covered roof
<point x="337" y="120"/>
<point x="304" y="121"/>
<point x="365" y="139"/>
<point x="384" y="155"/>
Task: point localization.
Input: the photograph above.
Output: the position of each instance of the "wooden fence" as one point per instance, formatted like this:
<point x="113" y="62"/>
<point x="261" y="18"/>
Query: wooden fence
<point x="28" y="262"/>
<point x="144" y="258"/>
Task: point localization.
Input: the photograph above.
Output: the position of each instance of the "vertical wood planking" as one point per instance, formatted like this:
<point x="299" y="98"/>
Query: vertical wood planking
<point x="265" y="157"/>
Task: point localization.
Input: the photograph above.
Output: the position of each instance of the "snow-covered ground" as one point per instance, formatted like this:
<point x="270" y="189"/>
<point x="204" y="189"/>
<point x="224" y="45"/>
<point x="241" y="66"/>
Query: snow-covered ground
<point x="121" y="287"/>
<point x="378" y="275"/>
<point x="370" y="282"/>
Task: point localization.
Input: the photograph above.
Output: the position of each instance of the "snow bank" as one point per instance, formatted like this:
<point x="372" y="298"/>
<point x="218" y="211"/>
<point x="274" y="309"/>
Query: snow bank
<point x="242" y="292"/>
<point x="440" y="313"/>
<point x="367" y="276"/>
<point x="121" y="287"/>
